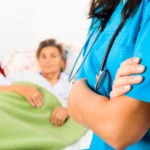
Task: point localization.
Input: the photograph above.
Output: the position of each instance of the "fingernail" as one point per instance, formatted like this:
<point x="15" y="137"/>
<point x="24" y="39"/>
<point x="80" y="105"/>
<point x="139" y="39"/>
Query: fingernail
<point x="138" y="78"/>
<point x="127" y="87"/>
<point x="136" y="59"/>
<point x="140" y="68"/>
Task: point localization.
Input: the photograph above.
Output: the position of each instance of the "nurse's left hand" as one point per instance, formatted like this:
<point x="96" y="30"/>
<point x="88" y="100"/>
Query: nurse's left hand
<point x="124" y="80"/>
<point x="59" y="116"/>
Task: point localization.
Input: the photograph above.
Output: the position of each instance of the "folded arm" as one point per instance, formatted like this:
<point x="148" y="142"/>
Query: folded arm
<point x="116" y="121"/>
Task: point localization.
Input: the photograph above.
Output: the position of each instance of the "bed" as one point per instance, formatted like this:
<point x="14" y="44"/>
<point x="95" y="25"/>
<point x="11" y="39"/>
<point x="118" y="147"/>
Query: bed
<point x="19" y="61"/>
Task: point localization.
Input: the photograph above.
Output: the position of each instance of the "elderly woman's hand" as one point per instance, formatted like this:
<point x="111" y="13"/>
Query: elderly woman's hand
<point x="59" y="116"/>
<point x="124" y="80"/>
<point x="30" y="93"/>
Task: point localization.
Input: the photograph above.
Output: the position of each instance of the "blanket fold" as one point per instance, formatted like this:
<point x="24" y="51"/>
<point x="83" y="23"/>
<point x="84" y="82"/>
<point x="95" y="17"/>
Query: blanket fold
<point x="23" y="127"/>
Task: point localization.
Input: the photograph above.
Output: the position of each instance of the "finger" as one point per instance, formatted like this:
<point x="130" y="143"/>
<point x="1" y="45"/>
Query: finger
<point x="127" y="80"/>
<point x="63" y="117"/>
<point x="40" y="97"/>
<point x="53" y="117"/>
<point x="60" y="119"/>
<point x="61" y="122"/>
<point x="130" y="69"/>
<point x="56" y="121"/>
<point x="34" y="99"/>
<point x="120" y="91"/>
<point x="30" y="100"/>
<point x="130" y="61"/>
<point x="37" y="99"/>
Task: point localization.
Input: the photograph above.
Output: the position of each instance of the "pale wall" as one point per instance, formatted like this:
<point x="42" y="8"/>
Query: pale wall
<point x="23" y="23"/>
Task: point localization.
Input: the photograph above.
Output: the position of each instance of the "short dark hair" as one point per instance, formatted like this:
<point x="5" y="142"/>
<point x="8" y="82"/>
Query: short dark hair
<point x="50" y="42"/>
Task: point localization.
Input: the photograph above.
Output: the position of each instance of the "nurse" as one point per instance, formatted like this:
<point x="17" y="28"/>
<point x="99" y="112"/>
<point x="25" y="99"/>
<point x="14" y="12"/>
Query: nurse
<point x="119" y="30"/>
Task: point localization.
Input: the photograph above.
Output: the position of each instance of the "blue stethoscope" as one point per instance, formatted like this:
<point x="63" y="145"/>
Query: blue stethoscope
<point x="100" y="77"/>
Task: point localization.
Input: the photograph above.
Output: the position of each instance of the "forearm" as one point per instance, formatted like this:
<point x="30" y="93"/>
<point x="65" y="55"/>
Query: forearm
<point x="90" y="106"/>
<point x="9" y="88"/>
<point x="74" y="112"/>
<point x="107" y="118"/>
<point x="82" y="100"/>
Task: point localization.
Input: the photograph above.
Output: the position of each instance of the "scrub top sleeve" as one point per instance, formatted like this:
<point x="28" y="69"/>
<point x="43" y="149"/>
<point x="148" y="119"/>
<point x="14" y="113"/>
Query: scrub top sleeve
<point x="142" y="50"/>
<point x="81" y="74"/>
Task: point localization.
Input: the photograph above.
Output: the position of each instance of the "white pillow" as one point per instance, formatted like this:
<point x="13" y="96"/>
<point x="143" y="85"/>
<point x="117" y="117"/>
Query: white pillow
<point x="72" y="53"/>
<point x="20" y="61"/>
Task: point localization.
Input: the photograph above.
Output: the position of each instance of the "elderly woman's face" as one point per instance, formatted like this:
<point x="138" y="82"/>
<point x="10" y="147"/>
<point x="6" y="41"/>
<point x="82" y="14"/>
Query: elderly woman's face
<point x="50" y="60"/>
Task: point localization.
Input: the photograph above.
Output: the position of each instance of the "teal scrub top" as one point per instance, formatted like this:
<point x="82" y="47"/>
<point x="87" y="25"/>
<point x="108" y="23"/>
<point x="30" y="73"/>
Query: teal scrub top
<point x="132" y="41"/>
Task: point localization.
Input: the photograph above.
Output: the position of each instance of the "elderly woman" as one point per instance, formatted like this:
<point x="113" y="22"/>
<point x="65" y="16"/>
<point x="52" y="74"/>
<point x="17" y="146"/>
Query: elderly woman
<point x="52" y="62"/>
<point x="50" y="56"/>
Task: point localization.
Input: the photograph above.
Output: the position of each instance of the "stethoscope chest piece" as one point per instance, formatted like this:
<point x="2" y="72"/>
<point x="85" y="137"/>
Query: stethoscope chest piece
<point x="100" y="78"/>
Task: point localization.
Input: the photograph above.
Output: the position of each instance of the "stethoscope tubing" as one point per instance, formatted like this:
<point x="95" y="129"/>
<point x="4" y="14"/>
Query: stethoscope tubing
<point x="104" y="60"/>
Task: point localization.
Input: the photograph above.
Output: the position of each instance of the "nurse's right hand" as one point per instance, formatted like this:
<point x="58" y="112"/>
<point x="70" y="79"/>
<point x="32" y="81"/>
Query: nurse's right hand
<point x="124" y="80"/>
<point x="32" y="94"/>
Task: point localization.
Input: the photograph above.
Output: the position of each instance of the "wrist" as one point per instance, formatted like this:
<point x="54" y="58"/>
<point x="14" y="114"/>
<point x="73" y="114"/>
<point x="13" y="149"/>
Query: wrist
<point x="13" y="88"/>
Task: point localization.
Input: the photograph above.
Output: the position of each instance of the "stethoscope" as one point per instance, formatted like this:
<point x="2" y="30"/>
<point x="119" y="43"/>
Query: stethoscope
<point x="100" y="77"/>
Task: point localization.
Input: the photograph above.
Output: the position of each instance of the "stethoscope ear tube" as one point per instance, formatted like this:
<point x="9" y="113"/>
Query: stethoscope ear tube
<point x="71" y="77"/>
<point x="101" y="73"/>
<point x="110" y="46"/>
<point x="100" y="77"/>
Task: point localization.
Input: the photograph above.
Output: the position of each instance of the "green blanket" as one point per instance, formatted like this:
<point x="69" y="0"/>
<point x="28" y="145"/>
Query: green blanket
<point x="23" y="127"/>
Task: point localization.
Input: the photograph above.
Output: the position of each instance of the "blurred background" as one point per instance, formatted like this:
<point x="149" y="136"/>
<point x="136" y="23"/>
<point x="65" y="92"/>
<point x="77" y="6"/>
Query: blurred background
<point x="24" y="23"/>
